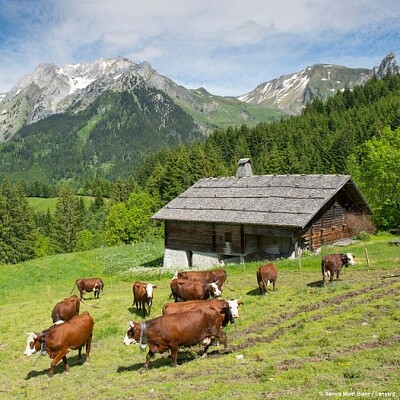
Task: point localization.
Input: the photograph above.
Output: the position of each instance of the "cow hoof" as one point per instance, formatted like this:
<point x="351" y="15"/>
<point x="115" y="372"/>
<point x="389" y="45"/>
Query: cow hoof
<point x="204" y="355"/>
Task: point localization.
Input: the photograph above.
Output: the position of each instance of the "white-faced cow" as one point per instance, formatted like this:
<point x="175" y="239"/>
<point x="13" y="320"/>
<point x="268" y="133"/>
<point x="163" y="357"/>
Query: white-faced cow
<point x="143" y="295"/>
<point x="227" y="309"/>
<point x="169" y="332"/>
<point x="57" y="340"/>
<point x="331" y="264"/>
<point x="266" y="274"/>
<point x="217" y="276"/>
<point x="87" y="285"/>
<point x="184" y="290"/>
<point x="66" y="309"/>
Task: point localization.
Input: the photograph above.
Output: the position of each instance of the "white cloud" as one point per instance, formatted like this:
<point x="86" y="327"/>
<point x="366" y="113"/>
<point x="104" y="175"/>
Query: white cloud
<point x="232" y="45"/>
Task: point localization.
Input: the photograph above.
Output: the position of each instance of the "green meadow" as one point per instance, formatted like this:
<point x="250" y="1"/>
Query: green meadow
<point x="41" y="204"/>
<point x="303" y="341"/>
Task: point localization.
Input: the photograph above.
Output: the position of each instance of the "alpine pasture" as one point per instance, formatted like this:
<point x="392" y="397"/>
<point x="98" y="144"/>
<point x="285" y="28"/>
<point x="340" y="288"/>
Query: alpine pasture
<point x="303" y="341"/>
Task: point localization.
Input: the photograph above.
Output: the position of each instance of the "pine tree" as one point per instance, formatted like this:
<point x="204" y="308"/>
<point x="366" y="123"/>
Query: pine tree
<point x="17" y="227"/>
<point x="67" y="222"/>
<point x="5" y="230"/>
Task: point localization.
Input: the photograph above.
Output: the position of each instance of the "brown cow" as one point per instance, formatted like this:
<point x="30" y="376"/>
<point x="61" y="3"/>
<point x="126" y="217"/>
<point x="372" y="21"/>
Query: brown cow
<point x="228" y="309"/>
<point x="217" y="276"/>
<point x="66" y="309"/>
<point x="142" y="295"/>
<point x="59" y="339"/>
<point x="87" y="285"/>
<point x="184" y="290"/>
<point x="169" y="332"/>
<point x="266" y="274"/>
<point x="331" y="264"/>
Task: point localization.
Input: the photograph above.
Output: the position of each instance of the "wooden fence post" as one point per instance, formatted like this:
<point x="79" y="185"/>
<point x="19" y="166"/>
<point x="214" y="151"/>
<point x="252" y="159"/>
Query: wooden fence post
<point x="367" y="258"/>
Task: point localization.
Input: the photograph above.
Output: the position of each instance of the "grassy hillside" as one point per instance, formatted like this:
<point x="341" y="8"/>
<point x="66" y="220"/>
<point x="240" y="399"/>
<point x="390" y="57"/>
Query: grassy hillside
<point x="216" y="112"/>
<point x="40" y="204"/>
<point x="301" y="341"/>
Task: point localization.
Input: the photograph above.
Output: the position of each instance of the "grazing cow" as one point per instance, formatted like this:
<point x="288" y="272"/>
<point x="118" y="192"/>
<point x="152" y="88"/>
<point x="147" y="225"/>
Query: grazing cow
<point x="184" y="290"/>
<point x="332" y="263"/>
<point x="142" y="295"/>
<point x="227" y="309"/>
<point x="87" y="285"/>
<point x="60" y="338"/>
<point x="266" y="274"/>
<point x="66" y="309"/>
<point x="217" y="276"/>
<point x="168" y="332"/>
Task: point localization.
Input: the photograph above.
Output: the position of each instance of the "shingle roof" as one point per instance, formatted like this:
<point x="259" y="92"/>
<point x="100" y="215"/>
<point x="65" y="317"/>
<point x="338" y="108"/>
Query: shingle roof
<point x="276" y="200"/>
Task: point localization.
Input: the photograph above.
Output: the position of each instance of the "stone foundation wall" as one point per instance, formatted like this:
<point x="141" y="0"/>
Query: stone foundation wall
<point x="176" y="258"/>
<point x="203" y="260"/>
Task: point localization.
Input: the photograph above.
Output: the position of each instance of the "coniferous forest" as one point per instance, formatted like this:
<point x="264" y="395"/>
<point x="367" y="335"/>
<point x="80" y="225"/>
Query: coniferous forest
<point x="355" y="132"/>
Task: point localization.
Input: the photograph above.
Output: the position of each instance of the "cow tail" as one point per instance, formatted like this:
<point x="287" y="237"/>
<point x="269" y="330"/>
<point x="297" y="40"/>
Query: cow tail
<point x="73" y="288"/>
<point x="227" y="285"/>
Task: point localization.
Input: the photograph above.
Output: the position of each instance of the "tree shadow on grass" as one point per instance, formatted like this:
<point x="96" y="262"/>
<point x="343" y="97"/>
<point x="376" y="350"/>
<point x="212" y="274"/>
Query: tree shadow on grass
<point x="72" y="362"/>
<point x="153" y="263"/>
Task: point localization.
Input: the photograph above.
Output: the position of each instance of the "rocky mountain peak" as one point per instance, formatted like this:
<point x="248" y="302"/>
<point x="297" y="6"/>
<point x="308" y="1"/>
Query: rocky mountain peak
<point x="387" y="65"/>
<point x="290" y="93"/>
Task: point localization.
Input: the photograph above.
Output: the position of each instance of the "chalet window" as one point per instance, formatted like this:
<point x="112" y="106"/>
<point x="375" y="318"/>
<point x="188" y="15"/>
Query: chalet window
<point x="228" y="237"/>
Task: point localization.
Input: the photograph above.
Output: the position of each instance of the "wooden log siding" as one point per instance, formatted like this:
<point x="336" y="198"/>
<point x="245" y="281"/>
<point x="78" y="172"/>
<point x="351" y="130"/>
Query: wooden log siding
<point x="192" y="236"/>
<point x="329" y="227"/>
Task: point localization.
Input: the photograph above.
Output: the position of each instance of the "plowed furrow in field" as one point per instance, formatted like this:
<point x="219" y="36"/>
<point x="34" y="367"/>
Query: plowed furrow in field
<point x="346" y="351"/>
<point x="259" y="328"/>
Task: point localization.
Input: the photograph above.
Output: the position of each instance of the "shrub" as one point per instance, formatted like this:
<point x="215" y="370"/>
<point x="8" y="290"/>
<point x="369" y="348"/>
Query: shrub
<point x="358" y="223"/>
<point x="364" y="236"/>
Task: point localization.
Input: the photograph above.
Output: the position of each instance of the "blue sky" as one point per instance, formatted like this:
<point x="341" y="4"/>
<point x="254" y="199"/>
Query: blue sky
<point x="225" y="46"/>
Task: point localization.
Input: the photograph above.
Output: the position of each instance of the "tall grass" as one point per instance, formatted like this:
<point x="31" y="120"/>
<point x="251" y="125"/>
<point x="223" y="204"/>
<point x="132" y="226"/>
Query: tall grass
<point x="303" y="341"/>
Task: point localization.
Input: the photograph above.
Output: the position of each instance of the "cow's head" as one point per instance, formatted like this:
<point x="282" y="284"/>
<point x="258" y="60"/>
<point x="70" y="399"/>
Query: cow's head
<point x="349" y="259"/>
<point x="32" y="344"/>
<point x="234" y="307"/>
<point x="149" y="290"/>
<point x="130" y="334"/>
<point x="214" y="290"/>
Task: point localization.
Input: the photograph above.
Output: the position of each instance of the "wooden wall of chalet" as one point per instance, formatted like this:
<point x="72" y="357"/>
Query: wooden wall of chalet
<point x="328" y="227"/>
<point x="205" y="237"/>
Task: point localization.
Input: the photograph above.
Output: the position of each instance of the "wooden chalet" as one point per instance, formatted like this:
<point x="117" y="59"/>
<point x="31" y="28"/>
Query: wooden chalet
<point x="267" y="216"/>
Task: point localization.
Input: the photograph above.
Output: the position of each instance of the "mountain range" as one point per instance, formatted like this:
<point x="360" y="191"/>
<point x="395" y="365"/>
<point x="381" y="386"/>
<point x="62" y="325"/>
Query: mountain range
<point x="72" y="88"/>
<point x="290" y="93"/>
<point x="106" y="116"/>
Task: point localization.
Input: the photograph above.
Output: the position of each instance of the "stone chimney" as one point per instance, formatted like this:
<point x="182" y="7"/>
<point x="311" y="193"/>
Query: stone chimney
<point x="244" y="168"/>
